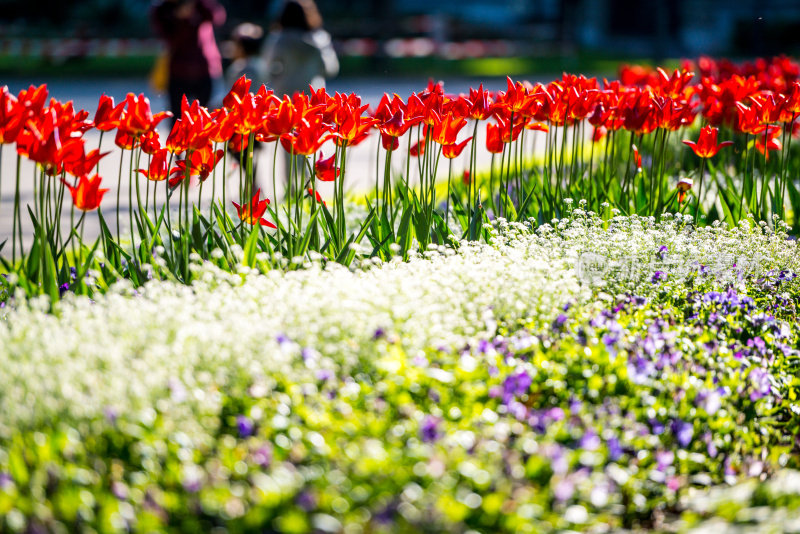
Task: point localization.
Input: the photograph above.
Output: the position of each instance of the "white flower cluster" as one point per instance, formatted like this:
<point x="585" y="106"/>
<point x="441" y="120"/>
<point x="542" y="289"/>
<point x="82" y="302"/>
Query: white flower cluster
<point x="169" y="349"/>
<point x="171" y="343"/>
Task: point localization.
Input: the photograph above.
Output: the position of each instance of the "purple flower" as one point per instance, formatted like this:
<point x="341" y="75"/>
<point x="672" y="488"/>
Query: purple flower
<point x="658" y="276"/>
<point x="590" y="441"/>
<point x="759" y="380"/>
<point x="324" y="375"/>
<point x="119" y="490"/>
<point x="564" y="490"/>
<point x="664" y="459"/>
<point x="111" y="414"/>
<point x="662" y="252"/>
<point x="560" y="321"/>
<point x="518" y="410"/>
<point x="429" y="430"/>
<point x="656" y="426"/>
<point x="245" y="426"/>
<point x="309" y="354"/>
<point x="263" y="456"/>
<point x="758" y="345"/>
<point x="614" y="449"/>
<point x="515" y="385"/>
<point x="683" y="431"/>
<point x="63" y="288"/>
<point x="710" y="401"/>
<point x="386" y="515"/>
<point x="192" y="485"/>
<point x="710" y="447"/>
<point x="306" y="500"/>
<point x="6" y="481"/>
<point x="379" y="333"/>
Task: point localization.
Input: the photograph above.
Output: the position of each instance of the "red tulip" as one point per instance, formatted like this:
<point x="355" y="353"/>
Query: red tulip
<point x="395" y="125"/>
<point x="222" y="126"/>
<point x="494" y="140"/>
<point x="151" y="143"/>
<point x="87" y="195"/>
<point x="281" y="119"/>
<point x="446" y="128"/>
<point x="417" y="149"/>
<point x="306" y="139"/>
<point x="317" y="197"/>
<point x="107" y="115"/>
<point x="389" y="142"/>
<point x="252" y="213"/>
<point x="201" y="163"/>
<point x="237" y="93"/>
<point x="79" y="163"/>
<point x="159" y="167"/>
<point x="598" y="133"/>
<point x="326" y="169"/>
<point x="771" y="144"/>
<point x="515" y="100"/>
<point x="454" y="150"/>
<point x="684" y="185"/>
<point x="354" y="129"/>
<point x="138" y="117"/>
<point x="706" y="145"/>
<point x="480" y="105"/>
<point x="11" y="116"/>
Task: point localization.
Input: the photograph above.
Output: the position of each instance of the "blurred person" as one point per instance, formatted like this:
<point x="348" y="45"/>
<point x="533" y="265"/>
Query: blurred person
<point x="298" y="53"/>
<point x="246" y="40"/>
<point x="187" y="27"/>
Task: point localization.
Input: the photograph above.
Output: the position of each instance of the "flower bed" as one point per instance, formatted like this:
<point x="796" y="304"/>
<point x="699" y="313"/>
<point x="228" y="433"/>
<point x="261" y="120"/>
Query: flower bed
<point x="615" y="144"/>
<point x="589" y="374"/>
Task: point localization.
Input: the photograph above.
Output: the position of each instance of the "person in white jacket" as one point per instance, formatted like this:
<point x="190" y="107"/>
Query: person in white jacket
<point x="298" y="52"/>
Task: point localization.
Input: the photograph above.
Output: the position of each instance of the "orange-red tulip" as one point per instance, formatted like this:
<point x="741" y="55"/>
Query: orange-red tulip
<point x="87" y="195"/>
<point x="252" y="212"/>
<point x="326" y="170"/>
<point x="706" y="145"/>
<point x="454" y="150"/>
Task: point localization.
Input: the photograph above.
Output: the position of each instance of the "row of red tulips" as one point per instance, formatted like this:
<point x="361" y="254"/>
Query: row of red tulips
<point x="761" y="100"/>
<point x="51" y="134"/>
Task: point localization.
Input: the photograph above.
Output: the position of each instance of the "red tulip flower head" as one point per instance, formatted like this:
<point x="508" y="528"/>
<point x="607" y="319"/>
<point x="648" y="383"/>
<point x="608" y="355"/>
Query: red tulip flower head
<point x="87" y="195"/>
<point x="454" y="150"/>
<point x="159" y="167"/>
<point x="252" y="212"/>
<point x="684" y="185"/>
<point x="706" y="145"/>
<point x="494" y="140"/>
<point x="107" y="115"/>
<point x="326" y="169"/>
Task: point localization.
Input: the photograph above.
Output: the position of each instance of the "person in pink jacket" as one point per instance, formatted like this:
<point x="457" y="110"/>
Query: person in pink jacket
<point x="195" y="63"/>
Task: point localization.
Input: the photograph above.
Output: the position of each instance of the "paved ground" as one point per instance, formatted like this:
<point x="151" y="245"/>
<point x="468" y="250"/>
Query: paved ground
<point x="361" y="166"/>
